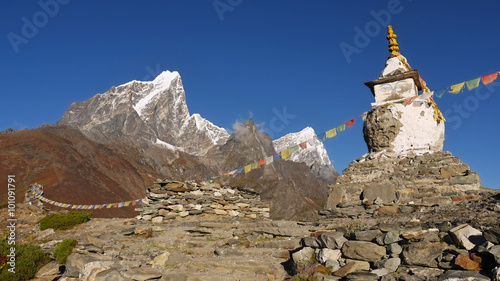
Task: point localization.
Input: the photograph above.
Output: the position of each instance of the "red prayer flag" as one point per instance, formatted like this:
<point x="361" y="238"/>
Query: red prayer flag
<point x="115" y="206"/>
<point x="262" y="162"/>
<point x="349" y="123"/>
<point x="410" y="100"/>
<point x="489" y="78"/>
<point x="225" y="174"/>
<point x="303" y="145"/>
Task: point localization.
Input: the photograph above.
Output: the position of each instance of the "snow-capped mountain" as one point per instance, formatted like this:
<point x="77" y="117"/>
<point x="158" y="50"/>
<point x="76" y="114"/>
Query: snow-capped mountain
<point x="155" y="113"/>
<point x="314" y="156"/>
<point x="146" y="111"/>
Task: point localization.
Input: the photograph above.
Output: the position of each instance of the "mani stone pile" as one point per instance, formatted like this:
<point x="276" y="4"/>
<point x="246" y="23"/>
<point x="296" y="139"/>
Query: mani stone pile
<point x="168" y="199"/>
<point x="428" y="179"/>
<point x="399" y="252"/>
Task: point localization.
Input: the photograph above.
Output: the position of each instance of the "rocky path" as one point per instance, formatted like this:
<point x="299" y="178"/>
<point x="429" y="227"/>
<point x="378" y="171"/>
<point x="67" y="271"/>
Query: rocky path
<point x="216" y="247"/>
<point x="210" y="248"/>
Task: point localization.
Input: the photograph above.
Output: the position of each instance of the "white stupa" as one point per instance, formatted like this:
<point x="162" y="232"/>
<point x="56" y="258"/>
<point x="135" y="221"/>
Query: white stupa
<point x="396" y="126"/>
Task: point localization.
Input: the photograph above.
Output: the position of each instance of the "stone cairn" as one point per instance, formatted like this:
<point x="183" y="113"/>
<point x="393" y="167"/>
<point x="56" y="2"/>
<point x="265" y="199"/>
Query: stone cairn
<point x="33" y="190"/>
<point x="428" y="179"/>
<point x="393" y="251"/>
<point x="168" y="199"/>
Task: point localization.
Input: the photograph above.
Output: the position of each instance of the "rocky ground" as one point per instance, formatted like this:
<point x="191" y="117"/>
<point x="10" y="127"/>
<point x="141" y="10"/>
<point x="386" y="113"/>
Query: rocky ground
<point x="402" y="242"/>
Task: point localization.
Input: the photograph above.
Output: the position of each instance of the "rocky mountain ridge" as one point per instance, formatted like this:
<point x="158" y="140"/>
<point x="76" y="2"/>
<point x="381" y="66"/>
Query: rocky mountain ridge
<point x="145" y="112"/>
<point x="156" y="112"/>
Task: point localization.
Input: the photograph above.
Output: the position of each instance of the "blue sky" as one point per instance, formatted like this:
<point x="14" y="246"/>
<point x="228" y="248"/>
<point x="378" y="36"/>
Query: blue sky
<point x="259" y="59"/>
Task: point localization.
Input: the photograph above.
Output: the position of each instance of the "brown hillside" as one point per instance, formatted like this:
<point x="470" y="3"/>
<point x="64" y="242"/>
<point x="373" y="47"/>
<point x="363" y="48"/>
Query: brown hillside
<point x="72" y="169"/>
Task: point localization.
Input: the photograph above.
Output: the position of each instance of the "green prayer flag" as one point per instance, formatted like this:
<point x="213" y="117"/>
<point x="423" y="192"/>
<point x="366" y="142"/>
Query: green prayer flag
<point x="255" y="165"/>
<point x="472" y="84"/>
<point x="294" y="149"/>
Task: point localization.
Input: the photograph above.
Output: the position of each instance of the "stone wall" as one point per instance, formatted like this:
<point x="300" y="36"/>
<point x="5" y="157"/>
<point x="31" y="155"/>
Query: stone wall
<point x="394" y="251"/>
<point x="420" y="179"/>
<point x="168" y="199"/>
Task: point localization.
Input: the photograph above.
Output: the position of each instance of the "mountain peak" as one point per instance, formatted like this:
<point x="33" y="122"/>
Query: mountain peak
<point x="166" y="77"/>
<point x="314" y="156"/>
<point x="146" y="111"/>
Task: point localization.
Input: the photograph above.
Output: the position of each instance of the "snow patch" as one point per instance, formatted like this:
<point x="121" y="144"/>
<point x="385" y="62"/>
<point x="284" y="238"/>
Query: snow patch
<point x="167" y="145"/>
<point x="199" y="121"/>
<point x="160" y="83"/>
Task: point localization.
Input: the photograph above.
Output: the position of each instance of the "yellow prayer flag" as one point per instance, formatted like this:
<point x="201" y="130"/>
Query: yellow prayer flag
<point x="285" y="154"/>
<point x="455" y="89"/>
<point x="331" y="133"/>
<point x="248" y="168"/>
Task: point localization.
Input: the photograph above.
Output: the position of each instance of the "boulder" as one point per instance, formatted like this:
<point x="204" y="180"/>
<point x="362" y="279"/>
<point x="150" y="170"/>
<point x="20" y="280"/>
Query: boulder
<point x="455" y="170"/>
<point x="362" y="276"/>
<point x="91" y="269"/>
<point x="495" y="251"/>
<point x="336" y="195"/>
<point x="367" y="235"/>
<point x="385" y="191"/>
<point x="310" y="242"/>
<point x="430" y="235"/>
<point x="75" y="263"/>
<point x="326" y="254"/>
<point x="110" y="275"/>
<point x="495" y="274"/>
<point x="386" y="210"/>
<point x="471" y="262"/>
<point x="454" y="275"/>
<point x="392" y="237"/>
<point x="423" y="253"/>
<point x="493" y="235"/>
<point x="392" y="264"/>
<point x="332" y="240"/>
<point x="426" y="273"/>
<point x="362" y="250"/>
<point x="352" y="266"/>
<point x="52" y="268"/>
<point x="304" y="256"/>
<point x="161" y="260"/>
<point x="394" y="249"/>
<point x="466" y="236"/>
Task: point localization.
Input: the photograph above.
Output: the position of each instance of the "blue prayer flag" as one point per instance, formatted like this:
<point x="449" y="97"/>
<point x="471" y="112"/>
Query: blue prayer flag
<point x="322" y="137"/>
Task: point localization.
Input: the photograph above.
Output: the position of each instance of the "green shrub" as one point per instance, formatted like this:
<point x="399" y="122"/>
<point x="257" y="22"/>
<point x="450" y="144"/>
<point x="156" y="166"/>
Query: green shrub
<point x="64" y="249"/>
<point x="64" y="221"/>
<point x="29" y="259"/>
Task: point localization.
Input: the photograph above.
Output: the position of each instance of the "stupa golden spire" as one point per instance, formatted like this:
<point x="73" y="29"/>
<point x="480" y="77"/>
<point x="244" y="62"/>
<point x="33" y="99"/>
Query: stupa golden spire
<point x="393" y="44"/>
